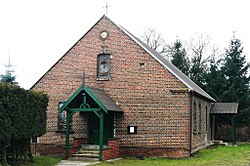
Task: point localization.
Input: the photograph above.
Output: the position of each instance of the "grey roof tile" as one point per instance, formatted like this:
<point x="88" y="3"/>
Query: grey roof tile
<point x="225" y="108"/>
<point x="106" y="100"/>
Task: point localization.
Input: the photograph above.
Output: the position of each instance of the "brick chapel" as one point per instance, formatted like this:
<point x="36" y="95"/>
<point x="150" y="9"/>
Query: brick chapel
<point x="129" y="102"/>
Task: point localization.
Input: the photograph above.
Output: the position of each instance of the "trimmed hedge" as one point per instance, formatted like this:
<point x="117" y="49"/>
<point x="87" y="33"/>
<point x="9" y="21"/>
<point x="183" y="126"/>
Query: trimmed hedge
<point x="22" y="116"/>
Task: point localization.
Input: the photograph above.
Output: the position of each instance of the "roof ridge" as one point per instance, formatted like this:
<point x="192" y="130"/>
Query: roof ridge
<point x="169" y="66"/>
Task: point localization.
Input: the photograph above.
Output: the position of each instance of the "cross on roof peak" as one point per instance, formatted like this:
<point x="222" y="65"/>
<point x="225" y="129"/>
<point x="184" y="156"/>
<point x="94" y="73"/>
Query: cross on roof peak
<point x="106" y="6"/>
<point x="83" y="77"/>
<point x="234" y="32"/>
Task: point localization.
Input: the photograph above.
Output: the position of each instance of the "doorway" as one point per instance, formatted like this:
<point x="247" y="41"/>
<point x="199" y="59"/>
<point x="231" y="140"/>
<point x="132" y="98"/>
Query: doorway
<point x="93" y="128"/>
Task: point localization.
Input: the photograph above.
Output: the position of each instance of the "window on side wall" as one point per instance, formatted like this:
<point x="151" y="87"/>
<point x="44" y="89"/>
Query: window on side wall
<point x="200" y="116"/>
<point x="205" y="119"/>
<point x="103" y="68"/>
<point x="194" y="118"/>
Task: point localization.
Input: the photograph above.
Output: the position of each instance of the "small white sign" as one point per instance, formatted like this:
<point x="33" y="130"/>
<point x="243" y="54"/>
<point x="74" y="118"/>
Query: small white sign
<point x="131" y="129"/>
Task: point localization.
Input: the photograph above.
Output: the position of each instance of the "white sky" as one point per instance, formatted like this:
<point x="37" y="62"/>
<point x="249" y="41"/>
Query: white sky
<point x="36" y="33"/>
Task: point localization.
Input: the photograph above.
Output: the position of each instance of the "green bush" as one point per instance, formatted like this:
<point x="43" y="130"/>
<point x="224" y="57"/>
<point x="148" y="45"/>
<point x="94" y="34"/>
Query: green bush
<point x="22" y="116"/>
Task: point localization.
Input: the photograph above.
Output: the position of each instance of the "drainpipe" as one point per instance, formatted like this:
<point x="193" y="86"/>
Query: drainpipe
<point x="191" y="121"/>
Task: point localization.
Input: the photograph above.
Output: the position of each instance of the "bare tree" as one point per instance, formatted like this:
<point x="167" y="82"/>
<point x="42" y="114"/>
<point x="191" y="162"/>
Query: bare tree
<point x="155" y="41"/>
<point x="199" y="47"/>
<point x="199" y="54"/>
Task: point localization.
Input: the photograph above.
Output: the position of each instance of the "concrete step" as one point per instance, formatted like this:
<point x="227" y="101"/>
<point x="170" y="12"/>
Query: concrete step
<point x="219" y="142"/>
<point x="84" y="158"/>
<point x="88" y="151"/>
<point x="224" y="144"/>
<point x="86" y="155"/>
<point x="87" y="146"/>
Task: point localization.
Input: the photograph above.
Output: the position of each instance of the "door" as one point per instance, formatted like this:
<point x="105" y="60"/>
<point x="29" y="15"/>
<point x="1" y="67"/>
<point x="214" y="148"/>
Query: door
<point x="93" y="128"/>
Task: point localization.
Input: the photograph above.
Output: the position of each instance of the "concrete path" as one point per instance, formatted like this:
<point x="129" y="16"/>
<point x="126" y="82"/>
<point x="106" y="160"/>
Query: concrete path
<point x="75" y="163"/>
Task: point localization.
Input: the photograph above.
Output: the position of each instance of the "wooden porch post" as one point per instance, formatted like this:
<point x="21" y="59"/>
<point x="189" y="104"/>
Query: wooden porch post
<point x="101" y="135"/>
<point x="67" y="135"/>
<point x="233" y="130"/>
<point x="213" y="127"/>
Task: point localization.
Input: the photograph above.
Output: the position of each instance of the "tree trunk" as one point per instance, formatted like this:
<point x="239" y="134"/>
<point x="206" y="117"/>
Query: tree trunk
<point x="29" y="151"/>
<point x="24" y="150"/>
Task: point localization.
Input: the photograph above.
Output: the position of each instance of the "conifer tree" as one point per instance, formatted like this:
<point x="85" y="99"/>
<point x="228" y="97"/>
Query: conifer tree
<point x="8" y="77"/>
<point x="214" y="80"/>
<point x="235" y="70"/>
<point x="179" y="57"/>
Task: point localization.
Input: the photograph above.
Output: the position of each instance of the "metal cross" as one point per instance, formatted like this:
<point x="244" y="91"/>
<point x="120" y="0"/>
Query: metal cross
<point x="234" y="31"/>
<point x="83" y="79"/>
<point x="106" y="8"/>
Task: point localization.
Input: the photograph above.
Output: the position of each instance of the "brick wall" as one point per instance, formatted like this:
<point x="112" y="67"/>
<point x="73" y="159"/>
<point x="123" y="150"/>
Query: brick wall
<point x="142" y="91"/>
<point x="201" y="138"/>
<point x="150" y="152"/>
<point x="113" y="150"/>
<point x="56" y="149"/>
<point x="48" y="149"/>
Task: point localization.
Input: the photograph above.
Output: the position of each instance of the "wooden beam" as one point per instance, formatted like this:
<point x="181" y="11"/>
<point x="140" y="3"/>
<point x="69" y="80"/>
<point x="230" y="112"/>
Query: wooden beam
<point x="67" y="135"/>
<point x="83" y="109"/>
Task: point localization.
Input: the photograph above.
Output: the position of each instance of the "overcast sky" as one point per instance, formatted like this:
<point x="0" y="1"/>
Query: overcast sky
<point x="36" y="33"/>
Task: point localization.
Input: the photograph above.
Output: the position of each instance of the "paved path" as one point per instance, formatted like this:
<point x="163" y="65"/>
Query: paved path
<point x="75" y="163"/>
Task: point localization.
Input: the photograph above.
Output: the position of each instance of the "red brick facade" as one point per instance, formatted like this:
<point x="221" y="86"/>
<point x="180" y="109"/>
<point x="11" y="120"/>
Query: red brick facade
<point x="113" y="150"/>
<point x="151" y="152"/>
<point x="139" y="84"/>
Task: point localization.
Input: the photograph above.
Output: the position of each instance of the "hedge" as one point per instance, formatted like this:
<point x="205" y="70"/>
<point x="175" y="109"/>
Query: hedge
<point x="22" y="116"/>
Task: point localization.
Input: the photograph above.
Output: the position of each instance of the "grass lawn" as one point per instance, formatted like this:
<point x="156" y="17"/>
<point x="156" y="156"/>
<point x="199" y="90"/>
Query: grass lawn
<point x="43" y="161"/>
<point x="223" y="155"/>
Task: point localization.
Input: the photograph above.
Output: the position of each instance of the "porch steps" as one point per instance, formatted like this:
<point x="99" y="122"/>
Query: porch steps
<point x="219" y="142"/>
<point x="96" y="147"/>
<point x="87" y="152"/>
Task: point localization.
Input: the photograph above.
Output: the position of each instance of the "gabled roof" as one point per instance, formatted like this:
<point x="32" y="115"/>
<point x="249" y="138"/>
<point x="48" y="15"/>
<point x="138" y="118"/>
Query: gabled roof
<point x="99" y="97"/>
<point x="225" y="108"/>
<point x="169" y="66"/>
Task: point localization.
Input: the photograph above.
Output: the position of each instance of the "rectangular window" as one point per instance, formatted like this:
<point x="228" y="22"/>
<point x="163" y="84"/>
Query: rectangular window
<point x="62" y="118"/>
<point x="200" y="116"/>
<point x="195" y="118"/>
<point x="205" y="119"/>
<point x="103" y="70"/>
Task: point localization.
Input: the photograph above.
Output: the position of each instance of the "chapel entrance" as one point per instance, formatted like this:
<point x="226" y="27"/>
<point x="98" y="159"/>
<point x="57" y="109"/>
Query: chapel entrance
<point x="93" y="128"/>
<point x="100" y="107"/>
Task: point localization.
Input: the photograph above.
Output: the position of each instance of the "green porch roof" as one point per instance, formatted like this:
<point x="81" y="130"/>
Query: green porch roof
<point x="95" y="97"/>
